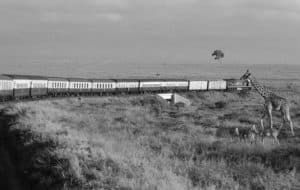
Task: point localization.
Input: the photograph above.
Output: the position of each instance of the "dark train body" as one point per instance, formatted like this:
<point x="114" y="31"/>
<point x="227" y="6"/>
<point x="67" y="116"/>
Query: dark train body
<point x="25" y="86"/>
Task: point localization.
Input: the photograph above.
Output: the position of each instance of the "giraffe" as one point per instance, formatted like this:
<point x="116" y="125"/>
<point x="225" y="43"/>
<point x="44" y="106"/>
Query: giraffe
<point x="272" y="102"/>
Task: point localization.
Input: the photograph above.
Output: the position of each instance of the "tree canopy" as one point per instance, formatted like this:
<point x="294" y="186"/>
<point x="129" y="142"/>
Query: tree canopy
<point x="218" y="54"/>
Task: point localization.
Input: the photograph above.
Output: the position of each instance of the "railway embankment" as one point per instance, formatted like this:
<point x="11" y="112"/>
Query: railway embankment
<point x="142" y="142"/>
<point x="11" y="176"/>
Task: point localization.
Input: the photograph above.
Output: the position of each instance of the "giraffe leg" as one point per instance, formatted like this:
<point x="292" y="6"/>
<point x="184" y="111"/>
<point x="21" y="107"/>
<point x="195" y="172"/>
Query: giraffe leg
<point x="269" y="111"/>
<point x="262" y="120"/>
<point x="276" y="140"/>
<point x="288" y="118"/>
<point x="262" y="117"/>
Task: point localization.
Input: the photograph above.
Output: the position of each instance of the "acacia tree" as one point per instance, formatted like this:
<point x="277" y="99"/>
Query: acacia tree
<point x="218" y="55"/>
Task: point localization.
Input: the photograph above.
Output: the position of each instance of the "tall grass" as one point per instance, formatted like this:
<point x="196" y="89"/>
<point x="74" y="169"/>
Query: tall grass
<point x="142" y="142"/>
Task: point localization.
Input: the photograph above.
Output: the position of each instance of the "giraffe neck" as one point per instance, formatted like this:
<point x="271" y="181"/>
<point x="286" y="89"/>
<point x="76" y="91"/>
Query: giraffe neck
<point x="265" y="93"/>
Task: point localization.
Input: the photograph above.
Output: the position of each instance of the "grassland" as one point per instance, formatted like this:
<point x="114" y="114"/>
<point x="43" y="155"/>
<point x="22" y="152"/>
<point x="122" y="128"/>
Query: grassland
<point x="142" y="142"/>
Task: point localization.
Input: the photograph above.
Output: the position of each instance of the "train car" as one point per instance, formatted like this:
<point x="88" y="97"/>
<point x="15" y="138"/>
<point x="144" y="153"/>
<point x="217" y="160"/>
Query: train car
<point x="6" y="88"/>
<point x="39" y="86"/>
<point x="195" y="85"/>
<point x="151" y="85"/>
<point x="103" y="86"/>
<point x="175" y="85"/>
<point x="237" y="84"/>
<point x="58" y="86"/>
<point x="127" y="85"/>
<point x="217" y="85"/>
<point x="79" y="86"/>
<point x="29" y="86"/>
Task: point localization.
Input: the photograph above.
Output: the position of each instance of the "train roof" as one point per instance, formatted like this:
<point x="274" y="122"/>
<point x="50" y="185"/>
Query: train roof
<point x="102" y="80"/>
<point x="79" y="80"/>
<point x="57" y="79"/>
<point x="30" y="77"/>
<point x="4" y="77"/>
<point x="167" y="79"/>
<point x="126" y="80"/>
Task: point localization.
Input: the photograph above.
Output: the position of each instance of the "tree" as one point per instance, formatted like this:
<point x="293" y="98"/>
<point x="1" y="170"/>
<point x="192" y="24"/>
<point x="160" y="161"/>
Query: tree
<point x="218" y="54"/>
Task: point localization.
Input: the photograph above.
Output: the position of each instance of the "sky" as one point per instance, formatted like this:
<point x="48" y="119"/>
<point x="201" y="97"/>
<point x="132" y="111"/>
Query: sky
<point x="149" y="31"/>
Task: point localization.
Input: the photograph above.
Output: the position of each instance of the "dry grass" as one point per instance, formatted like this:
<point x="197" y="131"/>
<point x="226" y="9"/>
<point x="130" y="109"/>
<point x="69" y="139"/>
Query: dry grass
<point x="141" y="142"/>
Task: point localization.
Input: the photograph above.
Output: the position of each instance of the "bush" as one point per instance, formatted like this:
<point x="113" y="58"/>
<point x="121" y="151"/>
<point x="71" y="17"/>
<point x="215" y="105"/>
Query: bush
<point x="220" y="104"/>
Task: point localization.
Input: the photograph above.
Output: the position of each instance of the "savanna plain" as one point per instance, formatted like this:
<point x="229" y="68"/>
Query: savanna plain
<point x="142" y="142"/>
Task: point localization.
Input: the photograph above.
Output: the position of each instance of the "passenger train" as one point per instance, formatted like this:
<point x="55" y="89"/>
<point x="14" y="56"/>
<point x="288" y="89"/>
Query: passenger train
<point x="14" y="87"/>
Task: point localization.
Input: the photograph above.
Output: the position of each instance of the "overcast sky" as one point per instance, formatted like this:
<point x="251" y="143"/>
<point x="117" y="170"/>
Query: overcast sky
<point x="145" y="31"/>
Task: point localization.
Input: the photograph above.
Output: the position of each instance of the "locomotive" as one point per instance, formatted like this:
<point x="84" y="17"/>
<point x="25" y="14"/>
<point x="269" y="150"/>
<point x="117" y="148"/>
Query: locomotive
<point x="32" y="86"/>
